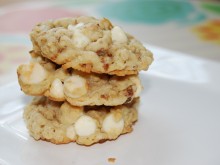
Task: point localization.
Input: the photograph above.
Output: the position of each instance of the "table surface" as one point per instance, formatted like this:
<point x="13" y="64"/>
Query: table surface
<point x="189" y="27"/>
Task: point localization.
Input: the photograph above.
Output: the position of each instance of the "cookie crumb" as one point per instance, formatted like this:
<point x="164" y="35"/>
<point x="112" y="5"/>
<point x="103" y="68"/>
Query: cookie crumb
<point x="111" y="160"/>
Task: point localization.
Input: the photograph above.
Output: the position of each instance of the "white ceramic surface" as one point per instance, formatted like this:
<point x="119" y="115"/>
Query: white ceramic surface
<point x="179" y="121"/>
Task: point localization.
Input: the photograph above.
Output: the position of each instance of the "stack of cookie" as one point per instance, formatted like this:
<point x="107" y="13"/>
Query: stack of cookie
<point x="84" y="76"/>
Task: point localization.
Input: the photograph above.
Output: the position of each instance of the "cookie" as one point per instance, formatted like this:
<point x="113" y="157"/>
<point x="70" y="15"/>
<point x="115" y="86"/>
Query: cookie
<point x="90" y="45"/>
<point x="42" y="77"/>
<point x="60" y="122"/>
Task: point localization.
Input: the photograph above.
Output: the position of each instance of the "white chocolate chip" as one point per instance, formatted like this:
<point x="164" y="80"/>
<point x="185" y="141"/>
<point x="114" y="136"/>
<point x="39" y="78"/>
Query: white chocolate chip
<point x="79" y="39"/>
<point x="85" y="126"/>
<point x="71" y="27"/>
<point x="75" y="86"/>
<point x="37" y="59"/>
<point x="138" y="86"/>
<point x="69" y="114"/>
<point x="33" y="73"/>
<point x="77" y="26"/>
<point x="118" y="35"/>
<point x="56" y="89"/>
<point x="70" y="132"/>
<point x="43" y="28"/>
<point x="110" y="125"/>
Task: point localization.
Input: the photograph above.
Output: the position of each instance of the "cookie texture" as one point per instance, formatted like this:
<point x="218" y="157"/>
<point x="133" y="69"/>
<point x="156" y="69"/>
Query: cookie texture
<point x="90" y="45"/>
<point x="60" y="122"/>
<point x="41" y="77"/>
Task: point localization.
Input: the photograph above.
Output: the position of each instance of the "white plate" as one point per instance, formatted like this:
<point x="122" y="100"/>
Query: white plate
<point x="179" y="121"/>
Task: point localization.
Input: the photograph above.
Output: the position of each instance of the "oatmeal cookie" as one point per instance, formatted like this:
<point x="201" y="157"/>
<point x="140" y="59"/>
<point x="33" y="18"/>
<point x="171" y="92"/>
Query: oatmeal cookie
<point x="42" y="77"/>
<point x="90" y="45"/>
<point x="60" y="122"/>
